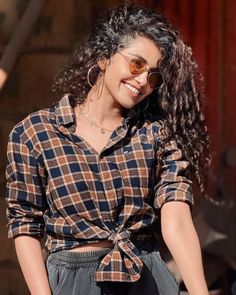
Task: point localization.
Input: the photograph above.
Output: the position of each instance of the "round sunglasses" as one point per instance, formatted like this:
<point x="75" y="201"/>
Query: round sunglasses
<point x="139" y="66"/>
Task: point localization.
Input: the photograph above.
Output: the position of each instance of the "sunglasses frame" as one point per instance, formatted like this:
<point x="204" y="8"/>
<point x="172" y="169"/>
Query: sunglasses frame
<point x="138" y="72"/>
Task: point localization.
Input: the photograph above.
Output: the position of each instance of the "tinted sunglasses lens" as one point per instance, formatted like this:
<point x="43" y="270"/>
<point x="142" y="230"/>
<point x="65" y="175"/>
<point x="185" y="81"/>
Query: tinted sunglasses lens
<point x="137" y="67"/>
<point x="155" y="79"/>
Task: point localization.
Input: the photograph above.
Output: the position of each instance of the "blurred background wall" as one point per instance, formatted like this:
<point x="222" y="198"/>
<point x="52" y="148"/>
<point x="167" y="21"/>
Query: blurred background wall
<point x="209" y="26"/>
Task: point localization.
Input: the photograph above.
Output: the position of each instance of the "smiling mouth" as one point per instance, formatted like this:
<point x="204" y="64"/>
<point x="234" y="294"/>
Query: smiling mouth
<point x="133" y="89"/>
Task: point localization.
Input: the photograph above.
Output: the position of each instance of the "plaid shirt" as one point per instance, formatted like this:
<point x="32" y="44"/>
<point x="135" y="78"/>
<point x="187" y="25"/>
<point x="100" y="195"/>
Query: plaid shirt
<point x="58" y="184"/>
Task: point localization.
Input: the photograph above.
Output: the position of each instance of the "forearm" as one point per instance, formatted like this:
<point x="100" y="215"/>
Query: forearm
<point x="30" y="257"/>
<point x="182" y="241"/>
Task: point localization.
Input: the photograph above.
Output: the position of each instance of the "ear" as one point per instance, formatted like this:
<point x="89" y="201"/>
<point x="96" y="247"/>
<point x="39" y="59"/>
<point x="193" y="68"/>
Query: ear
<point x="102" y="63"/>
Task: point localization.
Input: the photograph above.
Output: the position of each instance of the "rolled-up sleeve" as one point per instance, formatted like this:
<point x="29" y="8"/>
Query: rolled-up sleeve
<point x="173" y="182"/>
<point x="25" y="194"/>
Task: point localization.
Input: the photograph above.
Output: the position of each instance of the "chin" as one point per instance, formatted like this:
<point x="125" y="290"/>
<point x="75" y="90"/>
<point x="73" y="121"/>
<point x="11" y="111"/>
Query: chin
<point x="129" y="106"/>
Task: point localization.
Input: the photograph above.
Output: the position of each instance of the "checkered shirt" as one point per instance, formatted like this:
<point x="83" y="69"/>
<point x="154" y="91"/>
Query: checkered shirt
<point x="59" y="185"/>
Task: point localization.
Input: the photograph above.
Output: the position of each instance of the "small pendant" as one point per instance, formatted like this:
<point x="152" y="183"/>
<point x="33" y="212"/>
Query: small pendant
<point x="102" y="131"/>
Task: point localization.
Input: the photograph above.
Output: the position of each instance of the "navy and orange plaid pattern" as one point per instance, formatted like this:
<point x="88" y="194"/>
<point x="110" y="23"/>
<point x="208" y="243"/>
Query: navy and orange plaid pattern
<point x="59" y="185"/>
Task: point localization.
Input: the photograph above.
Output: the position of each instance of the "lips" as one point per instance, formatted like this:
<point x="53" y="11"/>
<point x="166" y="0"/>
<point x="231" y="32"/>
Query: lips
<point x="135" y="90"/>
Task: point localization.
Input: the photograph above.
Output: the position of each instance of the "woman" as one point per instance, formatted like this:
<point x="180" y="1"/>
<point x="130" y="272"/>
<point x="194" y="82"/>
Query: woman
<point x="116" y="153"/>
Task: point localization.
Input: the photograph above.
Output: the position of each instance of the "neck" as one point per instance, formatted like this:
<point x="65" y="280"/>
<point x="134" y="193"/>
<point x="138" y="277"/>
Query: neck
<point x="101" y="110"/>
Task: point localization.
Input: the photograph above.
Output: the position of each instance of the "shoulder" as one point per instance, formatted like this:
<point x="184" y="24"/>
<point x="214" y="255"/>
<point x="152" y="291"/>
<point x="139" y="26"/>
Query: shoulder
<point x="33" y="124"/>
<point x="154" y="126"/>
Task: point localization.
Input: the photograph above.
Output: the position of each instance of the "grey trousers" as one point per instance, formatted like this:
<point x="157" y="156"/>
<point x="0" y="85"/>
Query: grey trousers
<point x="72" y="273"/>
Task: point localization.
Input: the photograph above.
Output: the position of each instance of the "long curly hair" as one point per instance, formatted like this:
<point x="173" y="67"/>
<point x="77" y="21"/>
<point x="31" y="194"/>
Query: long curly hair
<point x="177" y="102"/>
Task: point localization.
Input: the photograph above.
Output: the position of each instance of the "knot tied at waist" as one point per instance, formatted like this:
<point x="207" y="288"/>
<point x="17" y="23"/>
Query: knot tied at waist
<point x="118" y="236"/>
<point x="122" y="263"/>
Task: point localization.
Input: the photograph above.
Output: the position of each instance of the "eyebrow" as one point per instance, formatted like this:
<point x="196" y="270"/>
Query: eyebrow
<point x="142" y="58"/>
<point x="139" y="56"/>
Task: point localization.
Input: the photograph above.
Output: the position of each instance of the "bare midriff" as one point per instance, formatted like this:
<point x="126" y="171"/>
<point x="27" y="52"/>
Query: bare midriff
<point x="93" y="246"/>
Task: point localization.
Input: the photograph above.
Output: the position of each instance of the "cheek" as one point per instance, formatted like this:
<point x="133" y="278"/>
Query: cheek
<point x="148" y="91"/>
<point x="117" y="72"/>
<point x="112" y="77"/>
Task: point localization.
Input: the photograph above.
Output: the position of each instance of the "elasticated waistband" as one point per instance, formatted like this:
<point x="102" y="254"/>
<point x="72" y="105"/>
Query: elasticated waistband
<point x="78" y="259"/>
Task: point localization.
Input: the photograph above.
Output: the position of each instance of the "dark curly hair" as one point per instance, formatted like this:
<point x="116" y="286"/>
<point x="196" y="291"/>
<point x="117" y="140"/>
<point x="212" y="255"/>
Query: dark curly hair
<point x="177" y="102"/>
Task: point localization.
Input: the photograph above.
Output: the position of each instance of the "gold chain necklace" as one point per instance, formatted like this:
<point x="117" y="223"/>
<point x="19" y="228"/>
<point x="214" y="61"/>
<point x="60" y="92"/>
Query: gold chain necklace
<point x="92" y="123"/>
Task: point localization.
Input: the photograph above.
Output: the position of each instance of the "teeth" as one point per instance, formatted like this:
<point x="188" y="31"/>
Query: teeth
<point x="136" y="91"/>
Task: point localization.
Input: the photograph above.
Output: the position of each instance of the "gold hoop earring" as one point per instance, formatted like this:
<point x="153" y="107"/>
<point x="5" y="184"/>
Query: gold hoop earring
<point x="88" y="75"/>
<point x="100" y="88"/>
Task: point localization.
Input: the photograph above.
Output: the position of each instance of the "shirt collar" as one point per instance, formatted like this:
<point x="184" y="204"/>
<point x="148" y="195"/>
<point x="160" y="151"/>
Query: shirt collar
<point x="65" y="114"/>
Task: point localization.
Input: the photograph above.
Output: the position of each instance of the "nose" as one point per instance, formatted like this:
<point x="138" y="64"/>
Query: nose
<point x="142" y="78"/>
